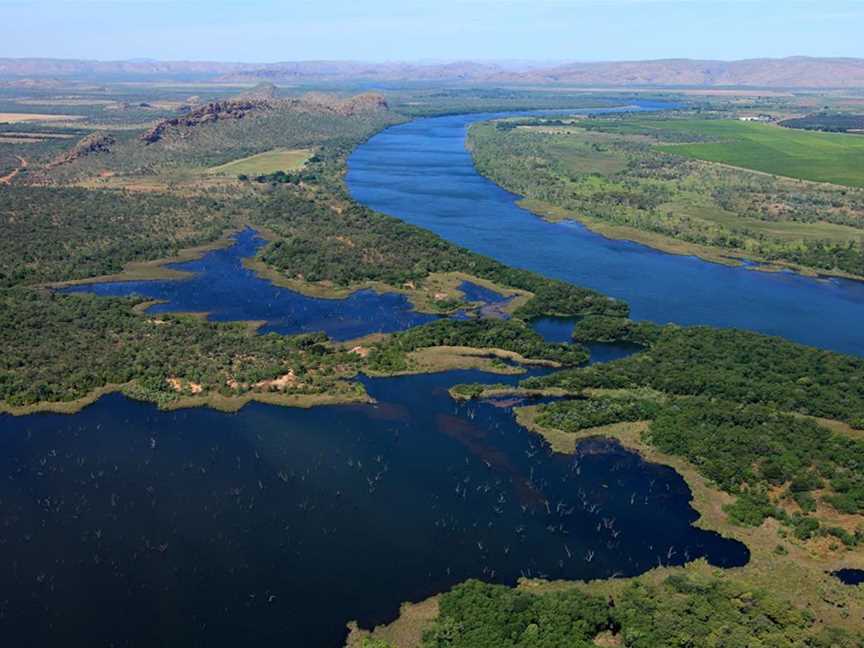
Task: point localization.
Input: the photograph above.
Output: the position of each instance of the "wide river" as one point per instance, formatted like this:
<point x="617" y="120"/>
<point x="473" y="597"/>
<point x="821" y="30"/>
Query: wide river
<point x="422" y="173"/>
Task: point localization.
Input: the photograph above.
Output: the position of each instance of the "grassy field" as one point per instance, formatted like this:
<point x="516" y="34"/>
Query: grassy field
<point x="264" y="163"/>
<point x="821" y="157"/>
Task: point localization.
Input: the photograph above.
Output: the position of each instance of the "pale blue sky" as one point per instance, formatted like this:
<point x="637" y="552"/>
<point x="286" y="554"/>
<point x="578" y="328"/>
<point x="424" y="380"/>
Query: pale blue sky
<point x="265" y="30"/>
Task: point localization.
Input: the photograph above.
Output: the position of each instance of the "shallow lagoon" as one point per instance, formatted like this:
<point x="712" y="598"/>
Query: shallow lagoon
<point x="421" y="172"/>
<point x="226" y="290"/>
<point x="275" y="526"/>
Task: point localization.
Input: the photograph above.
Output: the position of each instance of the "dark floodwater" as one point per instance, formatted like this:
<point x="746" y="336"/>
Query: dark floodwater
<point x="850" y="576"/>
<point x="421" y="173"/>
<point x="127" y="526"/>
<point x="227" y="291"/>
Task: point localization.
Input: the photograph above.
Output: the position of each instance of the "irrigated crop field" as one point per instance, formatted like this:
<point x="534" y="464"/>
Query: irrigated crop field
<point x="822" y="157"/>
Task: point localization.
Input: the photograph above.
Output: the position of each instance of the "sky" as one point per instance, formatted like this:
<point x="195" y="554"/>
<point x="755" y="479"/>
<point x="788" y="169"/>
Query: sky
<point x="414" y="30"/>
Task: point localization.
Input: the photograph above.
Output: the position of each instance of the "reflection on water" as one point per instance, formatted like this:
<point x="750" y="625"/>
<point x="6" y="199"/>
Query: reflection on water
<point x="849" y="576"/>
<point x="421" y="173"/>
<point x="130" y="526"/>
<point x="560" y="330"/>
<point x="227" y="291"/>
<point x="555" y="329"/>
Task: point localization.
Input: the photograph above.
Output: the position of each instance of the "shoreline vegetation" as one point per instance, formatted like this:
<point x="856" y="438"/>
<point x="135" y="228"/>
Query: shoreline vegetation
<point x="215" y="401"/>
<point x="446" y="285"/>
<point x="426" y="298"/>
<point x="155" y="269"/>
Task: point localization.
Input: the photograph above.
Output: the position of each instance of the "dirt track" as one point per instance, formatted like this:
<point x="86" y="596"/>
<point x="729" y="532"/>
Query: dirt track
<point x="7" y="179"/>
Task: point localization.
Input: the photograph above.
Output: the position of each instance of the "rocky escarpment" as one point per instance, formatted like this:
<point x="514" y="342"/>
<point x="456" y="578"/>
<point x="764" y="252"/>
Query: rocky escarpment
<point x="241" y="107"/>
<point x="92" y="143"/>
<point x="210" y="112"/>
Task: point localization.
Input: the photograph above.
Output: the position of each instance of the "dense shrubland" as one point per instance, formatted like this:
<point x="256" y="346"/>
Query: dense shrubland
<point x="58" y="234"/>
<point x="752" y="451"/>
<point x="583" y="413"/>
<point x="683" y="610"/>
<point x="726" y="364"/>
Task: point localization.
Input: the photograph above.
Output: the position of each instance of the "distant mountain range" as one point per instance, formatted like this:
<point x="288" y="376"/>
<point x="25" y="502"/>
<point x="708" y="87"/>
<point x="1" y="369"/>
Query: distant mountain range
<point x="793" y="72"/>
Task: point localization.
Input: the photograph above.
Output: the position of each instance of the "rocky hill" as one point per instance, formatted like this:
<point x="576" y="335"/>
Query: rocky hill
<point x="93" y="143"/>
<point x="216" y="132"/>
<point x="210" y="112"/>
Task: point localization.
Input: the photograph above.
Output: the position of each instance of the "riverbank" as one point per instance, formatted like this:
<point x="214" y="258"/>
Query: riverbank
<point x="669" y="245"/>
<point x="622" y="179"/>
<point x="400" y="173"/>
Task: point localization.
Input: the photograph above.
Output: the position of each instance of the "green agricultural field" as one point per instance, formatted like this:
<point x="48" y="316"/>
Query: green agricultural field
<point x="265" y="163"/>
<point x="822" y="157"/>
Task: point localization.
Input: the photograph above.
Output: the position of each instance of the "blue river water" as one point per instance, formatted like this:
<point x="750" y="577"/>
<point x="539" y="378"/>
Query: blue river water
<point x="421" y="173"/>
